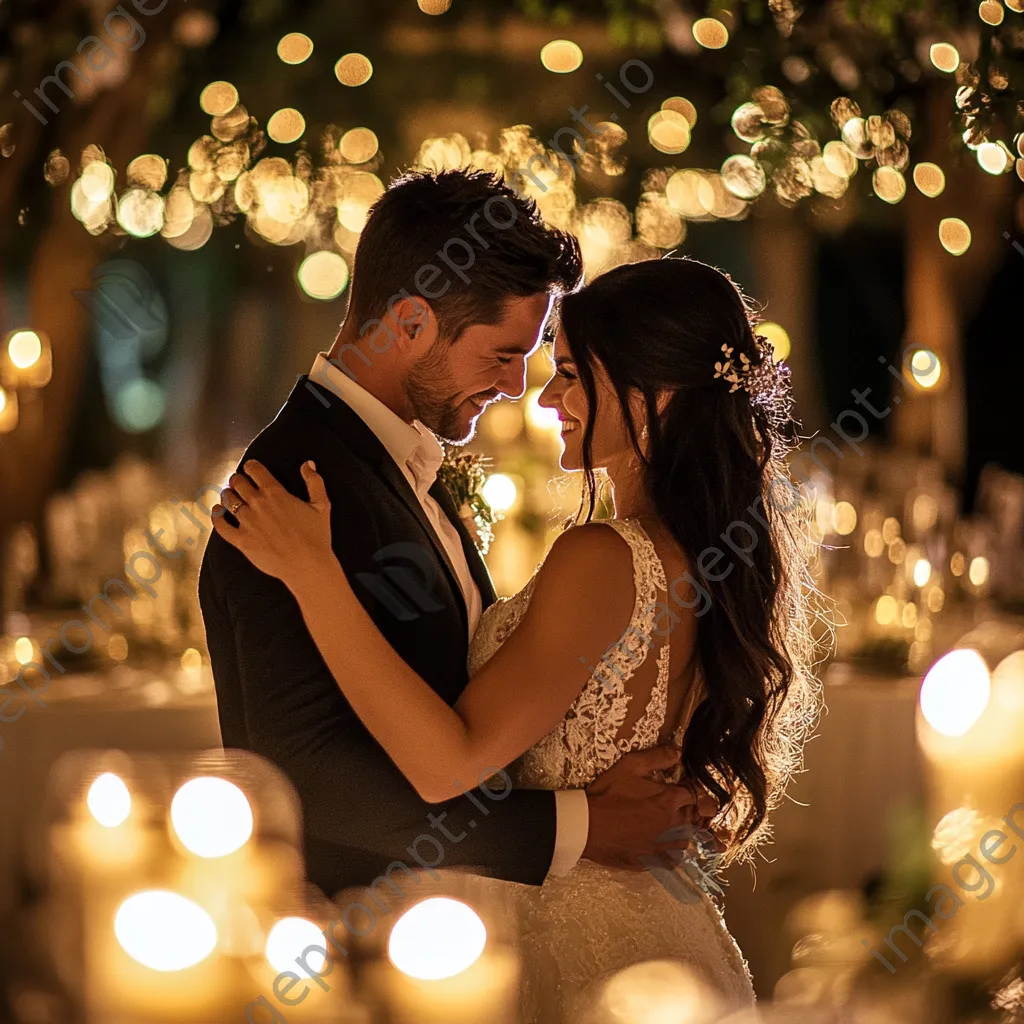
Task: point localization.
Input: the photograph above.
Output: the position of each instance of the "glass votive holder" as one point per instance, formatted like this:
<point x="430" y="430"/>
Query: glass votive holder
<point x="172" y="873"/>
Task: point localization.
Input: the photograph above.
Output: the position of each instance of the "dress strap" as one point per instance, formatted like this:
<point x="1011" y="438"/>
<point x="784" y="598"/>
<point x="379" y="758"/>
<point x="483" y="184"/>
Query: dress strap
<point x="648" y="571"/>
<point x="623" y="661"/>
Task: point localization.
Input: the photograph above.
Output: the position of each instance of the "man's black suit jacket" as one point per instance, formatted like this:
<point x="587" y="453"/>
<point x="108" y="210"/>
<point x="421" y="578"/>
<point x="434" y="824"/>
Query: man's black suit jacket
<point x="277" y="698"/>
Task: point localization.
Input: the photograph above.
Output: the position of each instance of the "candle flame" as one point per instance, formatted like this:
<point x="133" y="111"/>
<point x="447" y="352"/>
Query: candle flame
<point x="211" y="817"/>
<point x="437" y="938"/>
<point x="164" y="931"/>
<point x="109" y="800"/>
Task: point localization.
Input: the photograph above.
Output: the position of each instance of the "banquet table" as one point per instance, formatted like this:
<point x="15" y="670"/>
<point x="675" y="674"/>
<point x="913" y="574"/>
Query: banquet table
<point x="833" y="831"/>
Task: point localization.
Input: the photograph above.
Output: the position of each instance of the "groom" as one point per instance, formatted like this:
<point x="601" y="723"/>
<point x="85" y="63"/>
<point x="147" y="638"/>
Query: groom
<point x="453" y="283"/>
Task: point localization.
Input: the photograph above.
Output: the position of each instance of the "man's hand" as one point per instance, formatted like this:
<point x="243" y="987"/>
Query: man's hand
<point x="629" y="810"/>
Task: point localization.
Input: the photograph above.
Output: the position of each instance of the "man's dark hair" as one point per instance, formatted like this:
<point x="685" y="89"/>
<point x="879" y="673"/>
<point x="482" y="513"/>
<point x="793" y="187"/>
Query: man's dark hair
<point x="465" y="242"/>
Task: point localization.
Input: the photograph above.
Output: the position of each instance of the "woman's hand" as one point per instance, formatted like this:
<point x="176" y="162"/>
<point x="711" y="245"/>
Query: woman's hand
<point x="280" y="534"/>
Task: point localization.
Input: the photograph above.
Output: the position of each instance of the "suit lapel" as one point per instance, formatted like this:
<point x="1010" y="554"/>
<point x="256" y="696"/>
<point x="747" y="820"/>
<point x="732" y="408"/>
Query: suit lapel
<point x="364" y="442"/>
<point x="396" y="480"/>
<point x="477" y="566"/>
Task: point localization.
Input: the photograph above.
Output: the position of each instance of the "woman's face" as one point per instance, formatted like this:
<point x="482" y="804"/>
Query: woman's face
<point x="564" y="392"/>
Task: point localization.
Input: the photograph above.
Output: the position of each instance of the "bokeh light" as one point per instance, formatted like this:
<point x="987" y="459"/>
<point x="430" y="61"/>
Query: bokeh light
<point x="978" y="571"/>
<point x="358" y="145"/>
<point x="991" y="12"/>
<point x="743" y="177"/>
<point x="218" y="98"/>
<point x="561" y="56"/>
<point x="922" y="572"/>
<point x="164" y="931"/>
<point x="294" y="48"/>
<point x="840" y="159"/>
<point x="437" y="938"/>
<point x="710" y="33"/>
<point x="109" y="800"/>
<point x="659" y="992"/>
<point x="668" y="131"/>
<point x="955" y="692"/>
<point x="8" y="411"/>
<point x="139" y="405"/>
<point x="681" y="105"/>
<point x="955" y="235"/>
<point x="24" y="349"/>
<point x="886" y="610"/>
<point x="945" y="57"/>
<point x="323" y="275"/>
<point x="353" y="69"/>
<point x="288" y="940"/>
<point x="97" y="181"/>
<point x="500" y="492"/>
<point x="211" y="817"/>
<point x="844" y="518"/>
<point x="992" y="157"/>
<point x="286" y="125"/>
<point x="140" y="212"/>
<point x="148" y="171"/>
<point x="925" y="368"/>
<point x="778" y="338"/>
<point x="930" y="179"/>
<point x="889" y="184"/>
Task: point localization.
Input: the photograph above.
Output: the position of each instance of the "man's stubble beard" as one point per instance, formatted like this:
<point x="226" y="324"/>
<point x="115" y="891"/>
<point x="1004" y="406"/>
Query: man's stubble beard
<point x="431" y="390"/>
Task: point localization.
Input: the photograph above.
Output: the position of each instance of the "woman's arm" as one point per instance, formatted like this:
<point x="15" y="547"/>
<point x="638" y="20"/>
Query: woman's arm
<point x="581" y="605"/>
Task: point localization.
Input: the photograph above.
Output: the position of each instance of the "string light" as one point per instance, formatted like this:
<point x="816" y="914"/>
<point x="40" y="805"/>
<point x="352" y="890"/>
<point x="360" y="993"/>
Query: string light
<point x="353" y="69"/>
<point x="955" y="235"/>
<point x="710" y="33"/>
<point x="945" y="57"/>
<point x="294" y="48"/>
<point x="218" y="98"/>
<point x="561" y="56"/>
<point x="929" y="179"/>
<point x="286" y="125"/>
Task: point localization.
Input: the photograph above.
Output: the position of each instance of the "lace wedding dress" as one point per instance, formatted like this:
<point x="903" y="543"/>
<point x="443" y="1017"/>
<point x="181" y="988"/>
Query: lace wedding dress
<point x="595" y="920"/>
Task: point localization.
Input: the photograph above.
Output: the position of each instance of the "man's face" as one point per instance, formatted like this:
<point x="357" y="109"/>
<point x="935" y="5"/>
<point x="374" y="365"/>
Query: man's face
<point x="452" y="383"/>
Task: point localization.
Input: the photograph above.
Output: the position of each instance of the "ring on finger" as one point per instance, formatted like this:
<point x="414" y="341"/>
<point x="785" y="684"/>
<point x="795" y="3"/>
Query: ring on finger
<point x="232" y="501"/>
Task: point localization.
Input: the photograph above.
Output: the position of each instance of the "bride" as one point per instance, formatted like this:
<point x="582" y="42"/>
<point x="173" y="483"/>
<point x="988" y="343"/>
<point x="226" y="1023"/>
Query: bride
<point x="684" y="618"/>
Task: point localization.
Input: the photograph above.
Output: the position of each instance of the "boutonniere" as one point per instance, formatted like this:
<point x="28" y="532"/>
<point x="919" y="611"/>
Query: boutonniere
<point x="464" y="473"/>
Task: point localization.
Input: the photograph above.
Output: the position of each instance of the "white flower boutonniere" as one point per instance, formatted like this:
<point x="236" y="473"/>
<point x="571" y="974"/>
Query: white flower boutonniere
<point x="464" y="473"/>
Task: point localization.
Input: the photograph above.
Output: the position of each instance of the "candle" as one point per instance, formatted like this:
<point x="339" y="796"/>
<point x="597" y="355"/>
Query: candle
<point x="656" y="992"/>
<point x="444" y="970"/>
<point x="970" y="726"/>
<point x="154" y="956"/>
<point x="105" y="837"/>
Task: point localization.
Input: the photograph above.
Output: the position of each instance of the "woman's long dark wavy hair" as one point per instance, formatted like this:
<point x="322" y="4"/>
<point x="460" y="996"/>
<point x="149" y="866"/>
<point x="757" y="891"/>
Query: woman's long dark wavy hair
<point x="715" y="457"/>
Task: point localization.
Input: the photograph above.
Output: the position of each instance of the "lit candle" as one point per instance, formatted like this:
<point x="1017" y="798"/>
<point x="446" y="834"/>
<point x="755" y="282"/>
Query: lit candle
<point x="28" y="361"/>
<point x="443" y="971"/>
<point x="154" y="956"/>
<point x="104" y="839"/>
<point x="656" y="992"/>
<point x="970" y="726"/>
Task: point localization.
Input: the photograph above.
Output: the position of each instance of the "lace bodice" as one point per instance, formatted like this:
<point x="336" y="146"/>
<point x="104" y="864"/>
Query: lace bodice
<point x="581" y="927"/>
<point x="591" y="736"/>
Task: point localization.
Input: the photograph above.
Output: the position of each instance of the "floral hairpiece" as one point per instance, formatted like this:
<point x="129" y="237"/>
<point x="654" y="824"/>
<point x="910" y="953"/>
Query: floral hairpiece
<point x="766" y="381"/>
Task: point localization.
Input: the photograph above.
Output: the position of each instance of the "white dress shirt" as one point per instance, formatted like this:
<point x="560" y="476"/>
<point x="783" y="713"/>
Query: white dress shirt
<point x="418" y="455"/>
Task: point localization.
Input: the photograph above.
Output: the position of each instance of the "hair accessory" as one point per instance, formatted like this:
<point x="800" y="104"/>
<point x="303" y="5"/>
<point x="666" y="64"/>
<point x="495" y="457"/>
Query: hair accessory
<point x="765" y="381"/>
